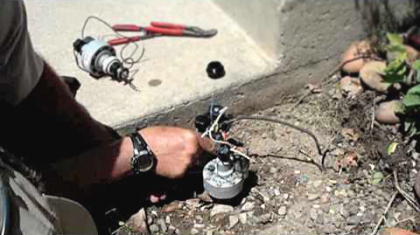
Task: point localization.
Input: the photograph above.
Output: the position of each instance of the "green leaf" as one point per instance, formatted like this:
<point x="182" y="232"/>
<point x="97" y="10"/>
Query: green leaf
<point x="396" y="71"/>
<point x="416" y="66"/>
<point x="396" y="48"/>
<point x="391" y="148"/>
<point x="412" y="99"/>
<point x="394" y="38"/>
<point x="377" y="178"/>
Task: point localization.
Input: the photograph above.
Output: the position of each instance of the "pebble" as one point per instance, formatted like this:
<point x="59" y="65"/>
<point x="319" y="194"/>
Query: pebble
<point x="218" y="209"/>
<point x="162" y="225"/>
<point x="248" y="206"/>
<point x="265" y="196"/>
<point x="282" y="210"/>
<point x="286" y="196"/>
<point x="313" y="214"/>
<point x="242" y="218"/>
<point x="276" y="192"/>
<point x="233" y="220"/>
<point x="168" y="219"/>
<point x="317" y="183"/>
<point x="172" y="228"/>
<point x="199" y="225"/>
<point x="265" y="218"/>
<point x="154" y="228"/>
<point x="353" y="220"/>
<point x="193" y="231"/>
<point x="325" y="198"/>
<point x="312" y="196"/>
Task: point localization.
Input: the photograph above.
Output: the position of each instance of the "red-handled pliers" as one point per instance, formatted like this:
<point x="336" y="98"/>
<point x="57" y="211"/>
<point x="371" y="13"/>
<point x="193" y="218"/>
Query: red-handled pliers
<point x="159" y="29"/>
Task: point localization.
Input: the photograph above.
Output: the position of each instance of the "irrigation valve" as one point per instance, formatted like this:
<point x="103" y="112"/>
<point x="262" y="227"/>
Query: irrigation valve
<point x="224" y="176"/>
<point x="99" y="59"/>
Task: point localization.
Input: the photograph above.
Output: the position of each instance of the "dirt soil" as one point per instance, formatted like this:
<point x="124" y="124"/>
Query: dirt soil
<point x="287" y="193"/>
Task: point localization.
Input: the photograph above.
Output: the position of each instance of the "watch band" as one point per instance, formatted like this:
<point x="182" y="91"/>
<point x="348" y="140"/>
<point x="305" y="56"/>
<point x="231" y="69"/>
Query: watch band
<point x="141" y="150"/>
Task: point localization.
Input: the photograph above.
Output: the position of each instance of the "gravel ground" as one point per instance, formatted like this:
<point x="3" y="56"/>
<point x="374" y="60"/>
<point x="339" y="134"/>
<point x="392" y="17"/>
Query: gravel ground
<point x="286" y="192"/>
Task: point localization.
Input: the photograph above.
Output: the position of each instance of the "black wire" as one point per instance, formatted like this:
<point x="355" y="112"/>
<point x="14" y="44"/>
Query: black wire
<point x="269" y="119"/>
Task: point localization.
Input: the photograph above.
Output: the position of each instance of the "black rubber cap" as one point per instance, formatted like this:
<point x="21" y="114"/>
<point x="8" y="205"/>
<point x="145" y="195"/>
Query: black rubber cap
<point x="215" y="70"/>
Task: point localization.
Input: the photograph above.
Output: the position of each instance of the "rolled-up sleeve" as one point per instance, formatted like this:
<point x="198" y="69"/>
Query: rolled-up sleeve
<point x="20" y="66"/>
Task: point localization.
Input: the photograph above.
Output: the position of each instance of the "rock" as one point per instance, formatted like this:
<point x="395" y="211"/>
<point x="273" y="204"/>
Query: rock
<point x="412" y="54"/>
<point x="173" y="206"/>
<point x="354" y="220"/>
<point x="233" y="220"/>
<point x="138" y="221"/>
<point x="205" y="197"/>
<point x="209" y="232"/>
<point x="193" y="231"/>
<point x="417" y="185"/>
<point x="357" y="49"/>
<point x="154" y="228"/>
<point x="218" y="209"/>
<point x="317" y="183"/>
<point x="265" y="195"/>
<point x="248" y="206"/>
<point x="325" y="198"/>
<point x="273" y="170"/>
<point x="371" y="76"/>
<point x="313" y="214"/>
<point x="387" y="112"/>
<point x="162" y="225"/>
<point x="312" y="196"/>
<point x="167" y="219"/>
<point x="172" y="228"/>
<point x="193" y="203"/>
<point x="397" y="231"/>
<point x="242" y="218"/>
<point x="282" y="210"/>
<point x="273" y="230"/>
<point x="277" y="192"/>
<point x="351" y="86"/>
<point x="200" y="226"/>
<point x="265" y="218"/>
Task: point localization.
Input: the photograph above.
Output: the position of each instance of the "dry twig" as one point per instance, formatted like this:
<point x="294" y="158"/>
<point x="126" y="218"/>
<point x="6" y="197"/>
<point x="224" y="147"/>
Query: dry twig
<point x="381" y="220"/>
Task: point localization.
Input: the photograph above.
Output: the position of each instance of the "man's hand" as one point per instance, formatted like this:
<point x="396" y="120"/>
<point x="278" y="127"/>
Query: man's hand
<point x="175" y="149"/>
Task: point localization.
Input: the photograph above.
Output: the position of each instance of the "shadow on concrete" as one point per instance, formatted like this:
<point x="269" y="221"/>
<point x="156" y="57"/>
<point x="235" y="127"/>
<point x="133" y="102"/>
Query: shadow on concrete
<point x="380" y="17"/>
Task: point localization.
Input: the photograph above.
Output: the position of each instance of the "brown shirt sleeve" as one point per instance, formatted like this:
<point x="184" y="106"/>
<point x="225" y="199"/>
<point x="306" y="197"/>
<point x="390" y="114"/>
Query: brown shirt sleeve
<point x="20" y="66"/>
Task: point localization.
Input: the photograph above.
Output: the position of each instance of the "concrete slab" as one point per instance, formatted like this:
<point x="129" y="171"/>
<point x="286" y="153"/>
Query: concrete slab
<point x="179" y="63"/>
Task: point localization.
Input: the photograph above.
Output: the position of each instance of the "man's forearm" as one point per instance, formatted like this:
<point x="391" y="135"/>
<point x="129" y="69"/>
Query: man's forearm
<point x="50" y="124"/>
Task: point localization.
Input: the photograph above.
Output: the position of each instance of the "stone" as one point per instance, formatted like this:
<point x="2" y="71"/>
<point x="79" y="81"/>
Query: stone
<point x="371" y="76"/>
<point x="162" y="225"/>
<point x="173" y="206"/>
<point x="265" y="195"/>
<point x="248" y="206"/>
<point x="154" y="228"/>
<point x="312" y="196"/>
<point x="168" y="219"/>
<point x="313" y="214"/>
<point x="357" y="49"/>
<point x="233" y="220"/>
<point x="265" y="218"/>
<point x="317" y="183"/>
<point x="354" y="220"/>
<point x="138" y="221"/>
<point x="282" y="210"/>
<point x="325" y="198"/>
<point x="200" y="226"/>
<point x="193" y="203"/>
<point x="193" y="231"/>
<point x="242" y="218"/>
<point x="277" y="192"/>
<point x="218" y="209"/>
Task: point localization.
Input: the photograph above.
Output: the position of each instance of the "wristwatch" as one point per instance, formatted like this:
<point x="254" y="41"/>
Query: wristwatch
<point x="143" y="159"/>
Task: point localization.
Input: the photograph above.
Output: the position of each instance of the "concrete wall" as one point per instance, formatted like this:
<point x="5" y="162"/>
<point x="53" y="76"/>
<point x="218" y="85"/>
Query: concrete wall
<point x="299" y="32"/>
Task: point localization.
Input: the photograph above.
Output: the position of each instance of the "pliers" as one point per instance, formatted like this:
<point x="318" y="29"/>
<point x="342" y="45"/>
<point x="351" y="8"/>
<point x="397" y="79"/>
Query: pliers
<point x="159" y="29"/>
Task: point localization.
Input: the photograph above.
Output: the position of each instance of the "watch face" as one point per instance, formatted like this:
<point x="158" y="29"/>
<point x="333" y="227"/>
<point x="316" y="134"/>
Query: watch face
<point x="144" y="161"/>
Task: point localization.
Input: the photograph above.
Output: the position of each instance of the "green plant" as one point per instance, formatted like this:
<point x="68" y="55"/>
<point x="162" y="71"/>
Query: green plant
<point x="400" y="70"/>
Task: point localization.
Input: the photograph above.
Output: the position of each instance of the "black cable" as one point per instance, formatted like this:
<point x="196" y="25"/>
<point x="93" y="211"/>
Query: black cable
<point x="269" y="119"/>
